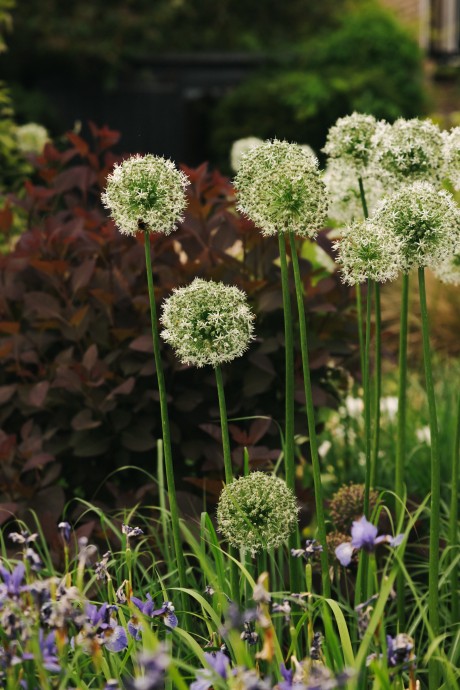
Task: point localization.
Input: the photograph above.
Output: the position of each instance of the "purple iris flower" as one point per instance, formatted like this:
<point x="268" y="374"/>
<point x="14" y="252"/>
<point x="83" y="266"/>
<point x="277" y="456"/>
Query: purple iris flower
<point x="364" y="536"/>
<point x="11" y="585"/>
<point x="154" y="665"/>
<point x="400" y="650"/>
<point x="49" y="651"/>
<point x="219" y="663"/>
<point x="111" y="635"/>
<point x="65" y="530"/>
<point x="147" y="608"/>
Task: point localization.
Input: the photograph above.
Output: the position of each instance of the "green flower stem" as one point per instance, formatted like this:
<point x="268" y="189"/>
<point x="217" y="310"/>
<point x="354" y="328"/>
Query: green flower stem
<point x="367" y="401"/>
<point x="433" y="567"/>
<point x="377" y="385"/>
<point x="359" y="313"/>
<point x="319" y="501"/>
<point x="401" y="436"/>
<point x="234" y="586"/>
<point x="180" y="560"/>
<point x="224" y="426"/>
<point x="295" y="573"/>
<point x="453" y="517"/>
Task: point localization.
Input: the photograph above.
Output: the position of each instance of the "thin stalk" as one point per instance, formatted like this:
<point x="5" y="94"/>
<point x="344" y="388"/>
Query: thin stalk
<point x="289" y="462"/>
<point x="433" y="566"/>
<point x="234" y="586"/>
<point x="401" y="436"/>
<point x="367" y="401"/>
<point x="359" y="310"/>
<point x="377" y="385"/>
<point x="319" y="501"/>
<point x="180" y="560"/>
<point x="224" y="426"/>
<point x="453" y="518"/>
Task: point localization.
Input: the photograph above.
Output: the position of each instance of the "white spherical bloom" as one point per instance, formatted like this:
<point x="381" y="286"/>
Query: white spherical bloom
<point x="240" y="147"/>
<point x="342" y="185"/>
<point x="146" y="193"/>
<point x="31" y="138"/>
<point x="448" y="271"/>
<point x="425" y="221"/>
<point x="207" y="323"/>
<point x="452" y="156"/>
<point x="279" y="188"/>
<point x="408" y="151"/>
<point x="257" y="512"/>
<point x="351" y="141"/>
<point x="368" y="251"/>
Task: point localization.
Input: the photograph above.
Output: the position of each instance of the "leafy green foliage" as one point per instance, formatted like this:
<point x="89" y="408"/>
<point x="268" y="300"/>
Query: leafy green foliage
<point x="369" y="64"/>
<point x="75" y="338"/>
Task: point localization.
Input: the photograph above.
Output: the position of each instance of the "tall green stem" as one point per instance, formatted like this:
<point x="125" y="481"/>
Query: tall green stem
<point x="359" y="313"/>
<point x="377" y="385"/>
<point x="367" y="401"/>
<point x="228" y="472"/>
<point x="180" y="560"/>
<point x="224" y="427"/>
<point x="433" y="567"/>
<point x="401" y="435"/>
<point x="311" y="420"/>
<point x="289" y="464"/>
<point x="453" y="518"/>
<point x="289" y="364"/>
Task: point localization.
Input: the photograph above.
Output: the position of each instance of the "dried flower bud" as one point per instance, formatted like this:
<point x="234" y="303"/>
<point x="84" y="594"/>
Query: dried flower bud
<point x="146" y="193"/>
<point x="207" y="323"/>
<point x="347" y="505"/>
<point x="279" y="188"/>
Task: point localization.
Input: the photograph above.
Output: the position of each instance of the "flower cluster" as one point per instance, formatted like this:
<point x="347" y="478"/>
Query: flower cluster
<point x="367" y="250"/>
<point x="146" y="193"/>
<point x="364" y="536"/>
<point x="452" y="156"/>
<point x="409" y="150"/>
<point x="279" y="188"/>
<point x="448" y="270"/>
<point x="351" y="141"/>
<point x="257" y="512"/>
<point x="424" y="222"/>
<point x="207" y="323"/>
<point x="240" y="147"/>
<point x="31" y="138"/>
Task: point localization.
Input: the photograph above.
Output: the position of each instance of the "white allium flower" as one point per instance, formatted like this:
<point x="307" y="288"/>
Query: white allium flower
<point x="425" y="221"/>
<point x="448" y="271"/>
<point x="452" y="156"/>
<point x="279" y="188"/>
<point x="306" y="148"/>
<point x="342" y="185"/>
<point x="207" y="323"/>
<point x="257" y="512"/>
<point x="389" y="406"/>
<point x="351" y="141"/>
<point x="424" y="435"/>
<point x="31" y="138"/>
<point x="354" y="407"/>
<point x="240" y="147"/>
<point x="146" y="193"/>
<point x="368" y="251"/>
<point x="409" y="150"/>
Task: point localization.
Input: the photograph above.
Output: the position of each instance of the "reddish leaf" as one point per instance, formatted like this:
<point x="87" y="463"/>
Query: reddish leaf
<point x="90" y="357"/>
<point x="7" y="511"/>
<point x="79" y="143"/>
<point x="38" y="461"/>
<point x="78" y="316"/>
<point x="6" y="218"/>
<point x="84" y="420"/>
<point x="9" y="327"/>
<point x="142" y="344"/>
<point x="38" y="393"/>
<point x="124" y="388"/>
<point x="6" y="393"/>
<point x="57" y="267"/>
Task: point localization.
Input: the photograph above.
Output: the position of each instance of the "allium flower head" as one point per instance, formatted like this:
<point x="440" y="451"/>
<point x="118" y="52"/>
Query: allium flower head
<point x="452" y="156"/>
<point x="279" y="188"/>
<point x="240" y="147"/>
<point x="424" y="221"/>
<point x="342" y="184"/>
<point x="409" y="150"/>
<point x="368" y="250"/>
<point x="207" y="323"/>
<point x="31" y="138"/>
<point x="257" y="512"/>
<point x="351" y="140"/>
<point x="448" y="271"/>
<point x="146" y="193"/>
